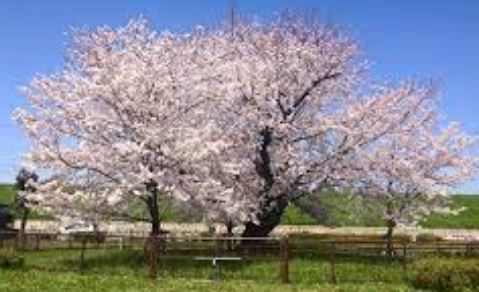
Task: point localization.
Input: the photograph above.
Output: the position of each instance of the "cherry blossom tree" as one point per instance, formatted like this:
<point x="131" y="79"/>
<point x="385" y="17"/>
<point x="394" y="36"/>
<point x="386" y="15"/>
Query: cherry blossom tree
<point x="111" y="119"/>
<point x="238" y="120"/>
<point x="416" y="172"/>
<point x="302" y="113"/>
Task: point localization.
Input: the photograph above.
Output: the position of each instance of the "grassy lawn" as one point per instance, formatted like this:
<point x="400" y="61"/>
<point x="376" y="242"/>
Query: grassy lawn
<point x="68" y="281"/>
<point x="126" y="271"/>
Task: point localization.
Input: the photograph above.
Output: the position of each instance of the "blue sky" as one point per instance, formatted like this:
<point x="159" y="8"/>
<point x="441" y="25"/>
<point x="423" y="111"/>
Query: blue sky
<point x="437" y="39"/>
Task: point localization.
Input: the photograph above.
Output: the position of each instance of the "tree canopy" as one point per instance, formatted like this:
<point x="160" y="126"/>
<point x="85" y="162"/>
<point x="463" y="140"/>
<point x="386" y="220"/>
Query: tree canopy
<point x="237" y="120"/>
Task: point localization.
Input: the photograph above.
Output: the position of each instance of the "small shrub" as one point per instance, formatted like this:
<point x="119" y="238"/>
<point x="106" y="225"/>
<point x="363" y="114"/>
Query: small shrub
<point x="9" y="258"/>
<point x="446" y="274"/>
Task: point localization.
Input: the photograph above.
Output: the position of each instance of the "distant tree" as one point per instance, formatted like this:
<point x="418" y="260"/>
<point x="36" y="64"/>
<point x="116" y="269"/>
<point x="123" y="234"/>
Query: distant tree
<point x="25" y="184"/>
<point x="6" y="217"/>
<point x="411" y="178"/>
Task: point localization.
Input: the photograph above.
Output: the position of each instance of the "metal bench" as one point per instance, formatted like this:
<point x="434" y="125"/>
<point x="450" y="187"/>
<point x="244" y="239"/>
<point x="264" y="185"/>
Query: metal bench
<point x="214" y="261"/>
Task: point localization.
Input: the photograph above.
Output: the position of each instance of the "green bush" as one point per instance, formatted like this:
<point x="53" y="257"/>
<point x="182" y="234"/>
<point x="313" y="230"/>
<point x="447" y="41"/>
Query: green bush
<point x="9" y="258"/>
<point x="446" y="274"/>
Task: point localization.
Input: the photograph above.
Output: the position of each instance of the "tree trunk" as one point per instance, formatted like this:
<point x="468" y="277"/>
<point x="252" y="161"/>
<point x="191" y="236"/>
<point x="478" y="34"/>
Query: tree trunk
<point x="228" y="241"/>
<point x="391" y="224"/>
<point x="272" y="208"/>
<point x="229" y="228"/>
<point x="23" y="225"/>
<point x="268" y="220"/>
<point x="152" y="205"/>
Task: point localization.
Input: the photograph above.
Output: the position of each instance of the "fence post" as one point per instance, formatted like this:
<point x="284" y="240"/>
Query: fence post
<point x="82" y="254"/>
<point x="16" y="243"/>
<point x="332" y="264"/>
<point x="23" y="240"/>
<point x="37" y="244"/>
<point x="284" y="261"/>
<point x="152" y="258"/>
<point x="468" y="249"/>
<point x="130" y="239"/>
<point x="404" y="261"/>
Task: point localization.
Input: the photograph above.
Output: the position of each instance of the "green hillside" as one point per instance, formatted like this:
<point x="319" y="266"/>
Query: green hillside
<point x="346" y="210"/>
<point x="468" y="218"/>
<point x="7" y="193"/>
<point x="342" y="210"/>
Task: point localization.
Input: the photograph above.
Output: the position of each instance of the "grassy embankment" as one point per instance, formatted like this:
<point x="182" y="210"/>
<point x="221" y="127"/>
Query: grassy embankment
<point x="343" y="210"/>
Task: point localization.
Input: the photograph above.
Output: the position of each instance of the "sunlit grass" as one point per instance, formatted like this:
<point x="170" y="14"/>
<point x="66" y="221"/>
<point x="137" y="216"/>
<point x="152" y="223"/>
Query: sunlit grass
<point x="126" y="270"/>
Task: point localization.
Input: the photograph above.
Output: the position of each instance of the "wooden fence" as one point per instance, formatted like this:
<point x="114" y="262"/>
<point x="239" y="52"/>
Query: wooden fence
<point x="218" y="250"/>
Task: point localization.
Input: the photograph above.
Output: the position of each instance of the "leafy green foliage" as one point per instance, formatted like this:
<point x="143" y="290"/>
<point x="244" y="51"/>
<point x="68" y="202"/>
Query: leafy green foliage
<point x="295" y="216"/>
<point x="446" y="274"/>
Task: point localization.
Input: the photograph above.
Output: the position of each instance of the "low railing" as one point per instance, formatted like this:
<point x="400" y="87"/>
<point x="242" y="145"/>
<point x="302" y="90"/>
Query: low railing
<point x="158" y="253"/>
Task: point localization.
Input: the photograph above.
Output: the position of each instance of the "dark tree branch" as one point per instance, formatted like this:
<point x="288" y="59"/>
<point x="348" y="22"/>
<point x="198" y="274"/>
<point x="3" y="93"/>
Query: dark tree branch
<point x="299" y="100"/>
<point x="263" y="162"/>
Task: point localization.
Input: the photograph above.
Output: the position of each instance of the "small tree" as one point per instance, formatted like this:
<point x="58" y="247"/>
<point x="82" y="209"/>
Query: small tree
<point x="413" y="174"/>
<point x="25" y="184"/>
<point x="112" y="119"/>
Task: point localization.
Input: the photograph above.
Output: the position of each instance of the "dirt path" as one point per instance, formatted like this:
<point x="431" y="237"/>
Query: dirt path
<point x="128" y="228"/>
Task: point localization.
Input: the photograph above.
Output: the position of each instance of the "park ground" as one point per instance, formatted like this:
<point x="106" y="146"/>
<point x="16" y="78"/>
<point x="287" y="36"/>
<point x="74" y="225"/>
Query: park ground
<point x="44" y="281"/>
<point x="126" y="271"/>
<point x="115" y="270"/>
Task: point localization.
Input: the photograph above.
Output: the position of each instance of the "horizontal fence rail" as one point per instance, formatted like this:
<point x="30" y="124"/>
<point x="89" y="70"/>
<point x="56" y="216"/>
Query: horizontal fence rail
<point x="218" y="257"/>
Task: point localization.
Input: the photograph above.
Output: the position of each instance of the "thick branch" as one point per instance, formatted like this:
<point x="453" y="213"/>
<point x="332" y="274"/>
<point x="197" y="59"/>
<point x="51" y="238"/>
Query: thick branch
<point x="298" y="101"/>
<point x="263" y="162"/>
<point x="315" y="84"/>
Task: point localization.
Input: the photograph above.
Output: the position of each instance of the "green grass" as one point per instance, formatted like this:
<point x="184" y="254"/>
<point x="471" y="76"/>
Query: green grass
<point x="62" y="282"/>
<point x="107" y="270"/>
<point x="7" y="193"/>
<point x="344" y="210"/>
<point x="341" y="210"/>
<point x="468" y="219"/>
